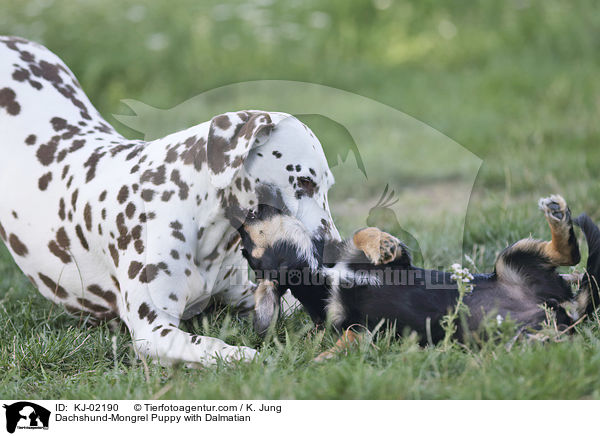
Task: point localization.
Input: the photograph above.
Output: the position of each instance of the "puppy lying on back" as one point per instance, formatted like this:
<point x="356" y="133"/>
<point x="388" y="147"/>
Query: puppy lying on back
<point x="370" y="277"/>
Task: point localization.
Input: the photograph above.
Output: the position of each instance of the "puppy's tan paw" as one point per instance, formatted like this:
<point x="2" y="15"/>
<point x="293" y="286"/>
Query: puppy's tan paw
<point x="378" y="246"/>
<point x="326" y="355"/>
<point x="555" y="208"/>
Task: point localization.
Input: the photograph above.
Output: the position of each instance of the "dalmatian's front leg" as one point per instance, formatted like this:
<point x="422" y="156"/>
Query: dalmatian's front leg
<point x="154" y="303"/>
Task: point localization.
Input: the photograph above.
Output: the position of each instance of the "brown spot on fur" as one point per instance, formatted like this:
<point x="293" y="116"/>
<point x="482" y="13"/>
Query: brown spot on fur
<point x="58" y="123"/>
<point x="76" y="145"/>
<point x="95" y="308"/>
<point x="136" y="232"/>
<point x="124" y="237"/>
<point x="108" y="296"/>
<point x="44" y="181"/>
<point x="58" y="290"/>
<point x="81" y="237"/>
<point x="173" y="297"/>
<point x="61" y="209"/>
<point x="123" y="194"/>
<point x="166" y="196"/>
<point x="195" y="152"/>
<point x="45" y="152"/>
<point x="183" y="187"/>
<point x="9" y="102"/>
<point x="130" y="210"/>
<point x="87" y="217"/>
<point x="116" y="283"/>
<point x="30" y="140"/>
<point x="115" y="255"/>
<point x="17" y="246"/>
<point x="157" y="177"/>
<point x="147" y="194"/>
<point x="222" y="122"/>
<point x="232" y="241"/>
<point x="171" y="155"/>
<point x="74" y="199"/>
<point x="56" y="250"/>
<point x="176" y="226"/>
<point x="134" y="269"/>
<point x="149" y="273"/>
<point x="62" y="238"/>
<point x="2" y="233"/>
<point x="145" y="312"/>
<point x="213" y="254"/>
<point x="92" y="163"/>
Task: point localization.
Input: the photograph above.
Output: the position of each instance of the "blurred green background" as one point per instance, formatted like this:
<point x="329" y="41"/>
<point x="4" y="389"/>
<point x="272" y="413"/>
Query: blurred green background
<point x="514" y="81"/>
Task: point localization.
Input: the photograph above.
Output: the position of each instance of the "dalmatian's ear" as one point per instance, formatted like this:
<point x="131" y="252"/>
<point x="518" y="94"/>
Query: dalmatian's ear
<point x="230" y="138"/>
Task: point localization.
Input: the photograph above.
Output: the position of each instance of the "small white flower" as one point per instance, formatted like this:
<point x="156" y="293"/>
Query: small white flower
<point x="499" y="319"/>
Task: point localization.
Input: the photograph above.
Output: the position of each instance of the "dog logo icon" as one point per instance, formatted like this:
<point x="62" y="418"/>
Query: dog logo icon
<point x="26" y="415"/>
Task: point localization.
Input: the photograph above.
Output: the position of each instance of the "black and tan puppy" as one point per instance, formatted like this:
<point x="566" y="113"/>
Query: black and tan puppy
<point x="370" y="277"/>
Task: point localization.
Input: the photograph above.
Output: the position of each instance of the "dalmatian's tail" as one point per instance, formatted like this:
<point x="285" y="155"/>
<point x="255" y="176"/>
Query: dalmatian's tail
<point x="588" y="298"/>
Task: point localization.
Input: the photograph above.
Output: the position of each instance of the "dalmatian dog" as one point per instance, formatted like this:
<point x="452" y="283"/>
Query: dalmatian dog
<point x="118" y="229"/>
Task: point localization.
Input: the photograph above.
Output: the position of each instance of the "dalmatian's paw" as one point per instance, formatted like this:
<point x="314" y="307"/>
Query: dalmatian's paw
<point x="241" y="354"/>
<point x="555" y="208"/>
<point x="378" y="246"/>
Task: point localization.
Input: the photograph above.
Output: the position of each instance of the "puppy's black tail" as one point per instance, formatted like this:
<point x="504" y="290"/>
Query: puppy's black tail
<point x="588" y="298"/>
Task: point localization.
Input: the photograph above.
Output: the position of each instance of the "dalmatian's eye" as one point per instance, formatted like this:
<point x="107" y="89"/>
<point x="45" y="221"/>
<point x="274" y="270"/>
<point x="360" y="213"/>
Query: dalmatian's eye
<point x="307" y="185"/>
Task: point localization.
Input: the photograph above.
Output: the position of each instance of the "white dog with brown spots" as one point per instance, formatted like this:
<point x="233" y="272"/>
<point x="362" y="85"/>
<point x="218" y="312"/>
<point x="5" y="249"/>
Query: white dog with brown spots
<point x="141" y="231"/>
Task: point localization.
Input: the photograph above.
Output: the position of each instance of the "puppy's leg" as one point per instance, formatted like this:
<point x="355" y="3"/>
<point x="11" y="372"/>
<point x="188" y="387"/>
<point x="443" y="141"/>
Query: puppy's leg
<point x="563" y="249"/>
<point x="379" y="247"/>
<point x="344" y="343"/>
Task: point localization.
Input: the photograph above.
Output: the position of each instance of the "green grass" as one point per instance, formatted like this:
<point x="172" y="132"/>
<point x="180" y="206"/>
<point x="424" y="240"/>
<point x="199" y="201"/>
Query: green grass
<point x="515" y="82"/>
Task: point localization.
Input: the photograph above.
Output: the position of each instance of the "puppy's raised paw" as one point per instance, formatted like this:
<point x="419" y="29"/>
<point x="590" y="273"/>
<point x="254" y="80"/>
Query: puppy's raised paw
<point x="555" y="208"/>
<point x="379" y="247"/>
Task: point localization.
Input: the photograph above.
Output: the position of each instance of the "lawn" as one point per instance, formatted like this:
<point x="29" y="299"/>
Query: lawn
<point x="497" y="104"/>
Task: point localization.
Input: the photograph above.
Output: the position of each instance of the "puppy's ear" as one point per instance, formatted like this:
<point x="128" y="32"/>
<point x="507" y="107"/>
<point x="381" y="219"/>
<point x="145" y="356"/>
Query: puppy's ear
<point x="266" y="307"/>
<point x="231" y="136"/>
